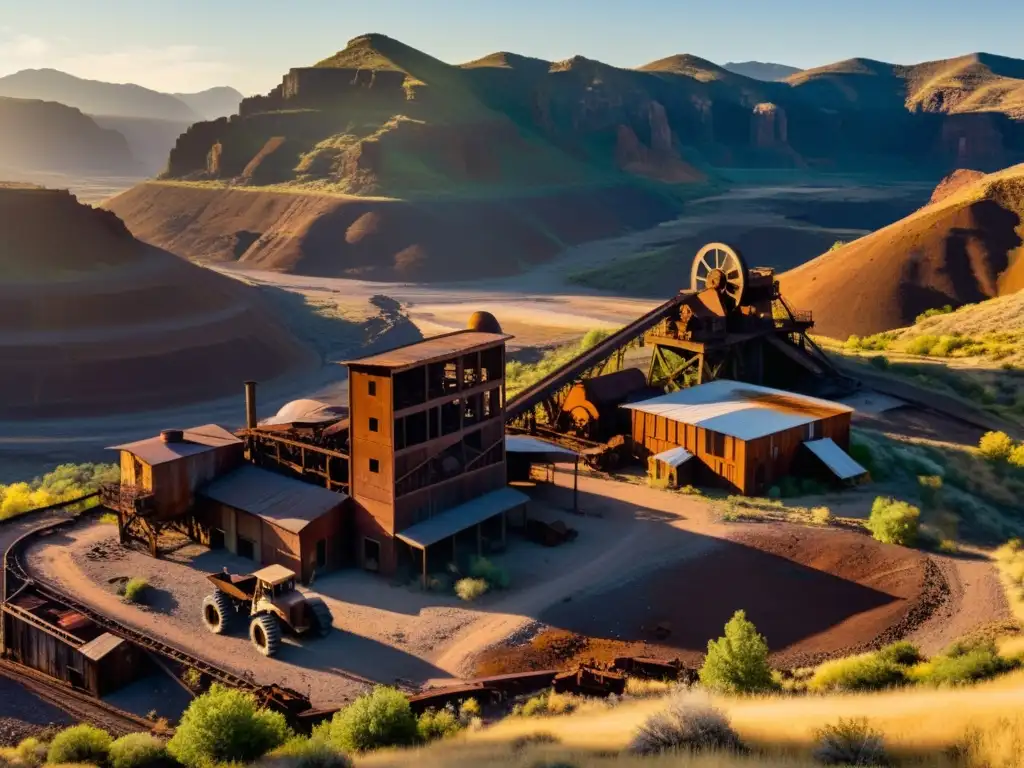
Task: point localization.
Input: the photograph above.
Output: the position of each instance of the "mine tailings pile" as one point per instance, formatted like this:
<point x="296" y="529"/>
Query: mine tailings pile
<point x="95" y="322"/>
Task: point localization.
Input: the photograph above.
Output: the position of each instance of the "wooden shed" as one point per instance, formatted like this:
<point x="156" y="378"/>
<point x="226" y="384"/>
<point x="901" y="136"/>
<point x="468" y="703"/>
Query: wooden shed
<point x="745" y="437"/>
<point x="274" y="519"/>
<point x="67" y="646"/>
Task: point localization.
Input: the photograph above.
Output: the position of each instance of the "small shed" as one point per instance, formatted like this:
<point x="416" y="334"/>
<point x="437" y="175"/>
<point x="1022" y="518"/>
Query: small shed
<point x="670" y="469"/>
<point x="111" y="663"/>
<point x="273" y="519"/>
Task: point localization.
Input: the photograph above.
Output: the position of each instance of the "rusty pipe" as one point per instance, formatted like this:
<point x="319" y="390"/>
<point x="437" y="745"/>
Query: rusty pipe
<point x="250" y="405"/>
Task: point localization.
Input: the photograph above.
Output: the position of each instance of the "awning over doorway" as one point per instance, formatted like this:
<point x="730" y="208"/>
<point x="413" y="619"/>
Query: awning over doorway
<point x="674" y="457"/>
<point x="836" y="459"/>
<point x="458" y="519"/>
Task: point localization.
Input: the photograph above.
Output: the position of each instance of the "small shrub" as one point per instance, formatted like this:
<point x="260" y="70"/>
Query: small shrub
<point x="922" y="345"/>
<point x="226" y="725"/>
<point x="80" y="744"/>
<point x="788" y="487"/>
<point x="849" y="742"/>
<point x="305" y="753"/>
<point x="893" y="521"/>
<point x="902" y="652"/>
<point x="738" y="661"/>
<point x="469" y="709"/>
<point x="867" y="672"/>
<point x="963" y="662"/>
<point x="881" y="362"/>
<point x="482" y="568"/>
<point x="30" y="752"/>
<point x="775" y="492"/>
<point x="685" y="725"/>
<point x="470" y="589"/>
<point x="108" y="518"/>
<point x="381" y="718"/>
<point x="1016" y="457"/>
<point x="192" y="678"/>
<point x="641" y="688"/>
<point x="821" y="515"/>
<point x="139" y="750"/>
<point x="996" y="446"/>
<point x="437" y="724"/>
<point x="135" y="590"/>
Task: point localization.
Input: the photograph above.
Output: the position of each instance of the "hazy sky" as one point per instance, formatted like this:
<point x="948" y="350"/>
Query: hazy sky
<point x="179" y="45"/>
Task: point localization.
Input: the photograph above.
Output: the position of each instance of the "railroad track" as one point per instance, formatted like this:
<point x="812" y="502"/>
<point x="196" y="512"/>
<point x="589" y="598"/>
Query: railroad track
<point x="80" y="706"/>
<point x="16" y="577"/>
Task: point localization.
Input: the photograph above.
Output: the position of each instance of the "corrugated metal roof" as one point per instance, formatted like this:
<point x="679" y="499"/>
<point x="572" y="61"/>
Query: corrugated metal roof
<point x="101" y="646"/>
<point x="673" y="457"/>
<point x="429" y="350"/>
<point x="744" y="411"/>
<point x="459" y="518"/>
<point x="836" y="459"/>
<point x="155" y="451"/>
<point x="528" y="444"/>
<point x="284" y="501"/>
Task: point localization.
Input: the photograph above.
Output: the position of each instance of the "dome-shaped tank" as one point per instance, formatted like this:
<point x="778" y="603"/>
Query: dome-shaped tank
<point x="484" y="322"/>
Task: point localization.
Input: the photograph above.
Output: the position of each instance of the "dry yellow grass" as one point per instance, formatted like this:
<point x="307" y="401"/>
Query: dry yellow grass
<point x="924" y="723"/>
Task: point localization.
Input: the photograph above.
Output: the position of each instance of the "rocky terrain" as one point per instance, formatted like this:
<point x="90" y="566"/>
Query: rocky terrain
<point x="94" y="321"/>
<point x="963" y="247"/>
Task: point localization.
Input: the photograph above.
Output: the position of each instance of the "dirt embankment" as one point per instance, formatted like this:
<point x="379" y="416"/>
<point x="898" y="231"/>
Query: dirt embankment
<point x="92" y="321"/>
<point x="813" y="593"/>
<point x="962" y="248"/>
<point x="381" y="239"/>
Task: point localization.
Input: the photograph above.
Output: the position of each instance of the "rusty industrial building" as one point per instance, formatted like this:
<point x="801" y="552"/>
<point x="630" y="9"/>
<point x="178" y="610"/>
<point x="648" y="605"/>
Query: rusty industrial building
<point x="415" y="472"/>
<point x="742" y="437"/>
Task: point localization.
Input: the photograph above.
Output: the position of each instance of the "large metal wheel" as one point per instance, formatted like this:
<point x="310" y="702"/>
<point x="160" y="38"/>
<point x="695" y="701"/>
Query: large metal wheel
<point x="265" y="634"/>
<point x="322" y="615"/>
<point x="218" y="613"/>
<point x="720" y="267"/>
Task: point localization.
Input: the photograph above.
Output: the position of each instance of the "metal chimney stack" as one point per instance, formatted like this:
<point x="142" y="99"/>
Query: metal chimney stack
<point x="250" y="405"/>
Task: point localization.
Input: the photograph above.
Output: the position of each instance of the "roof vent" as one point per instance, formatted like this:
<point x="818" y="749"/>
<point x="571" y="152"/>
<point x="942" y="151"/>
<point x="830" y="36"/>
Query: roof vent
<point x="172" y="435"/>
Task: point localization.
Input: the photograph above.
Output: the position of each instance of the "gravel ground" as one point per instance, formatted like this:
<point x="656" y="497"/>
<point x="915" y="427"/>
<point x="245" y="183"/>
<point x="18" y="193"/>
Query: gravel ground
<point x="23" y="715"/>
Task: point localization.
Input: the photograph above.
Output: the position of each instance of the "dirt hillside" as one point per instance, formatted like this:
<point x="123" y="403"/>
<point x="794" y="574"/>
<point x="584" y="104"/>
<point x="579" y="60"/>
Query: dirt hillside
<point x="92" y="321"/>
<point x="333" y="235"/>
<point x="962" y="248"/>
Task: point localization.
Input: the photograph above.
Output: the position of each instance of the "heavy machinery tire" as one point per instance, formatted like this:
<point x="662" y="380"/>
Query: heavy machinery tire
<point x="322" y="614"/>
<point x="218" y="613"/>
<point x="265" y="633"/>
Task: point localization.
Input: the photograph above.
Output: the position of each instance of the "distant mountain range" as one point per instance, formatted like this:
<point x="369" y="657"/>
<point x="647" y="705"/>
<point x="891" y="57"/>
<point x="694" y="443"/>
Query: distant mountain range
<point x="761" y="70"/>
<point x="149" y="120"/>
<point x="510" y="136"/>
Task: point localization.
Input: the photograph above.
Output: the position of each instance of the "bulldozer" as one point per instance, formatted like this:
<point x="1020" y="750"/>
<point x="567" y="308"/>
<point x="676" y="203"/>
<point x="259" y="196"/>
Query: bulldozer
<point x="272" y="603"/>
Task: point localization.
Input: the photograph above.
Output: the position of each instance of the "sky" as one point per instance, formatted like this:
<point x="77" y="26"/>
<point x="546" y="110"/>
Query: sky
<point x="189" y="45"/>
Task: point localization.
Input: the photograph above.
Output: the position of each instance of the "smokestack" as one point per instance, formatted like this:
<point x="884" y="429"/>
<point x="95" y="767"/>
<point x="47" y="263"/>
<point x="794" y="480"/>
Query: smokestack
<point x="250" y="405"/>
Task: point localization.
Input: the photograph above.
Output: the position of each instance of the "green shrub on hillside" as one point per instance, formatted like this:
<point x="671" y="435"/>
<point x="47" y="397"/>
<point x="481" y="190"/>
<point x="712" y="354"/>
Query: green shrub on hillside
<point x="305" y="753"/>
<point x="893" y="521"/>
<point x="933" y="312"/>
<point x="437" y="724"/>
<point x="30" y="752"/>
<point x="139" y="750"/>
<point x="68" y="481"/>
<point x="519" y="375"/>
<point x="866" y="672"/>
<point x="849" y="742"/>
<point x="225" y="725"/>
<point x="996" y="446"/>
<point x="738" y="661"/>
<point x="381" y="718"/>
<point x="962" y="666"/>
<point x="902" y="652"/>
<point x="80" y="744"/>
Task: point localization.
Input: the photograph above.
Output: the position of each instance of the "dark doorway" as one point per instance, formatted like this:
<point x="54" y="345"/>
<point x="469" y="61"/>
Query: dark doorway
<point x="321" y="553"/>
<point x="76" y="678"/>
<point x="246" y="548"/>
<point x="371" y="555"/>
<point x="216" y="538"/>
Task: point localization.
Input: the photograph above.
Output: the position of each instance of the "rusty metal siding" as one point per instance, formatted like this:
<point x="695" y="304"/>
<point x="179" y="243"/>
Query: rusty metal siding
<point x="34" y="648"/>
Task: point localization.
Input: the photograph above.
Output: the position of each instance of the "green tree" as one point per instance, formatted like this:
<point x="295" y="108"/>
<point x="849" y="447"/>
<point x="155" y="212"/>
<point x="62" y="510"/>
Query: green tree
<point x="225" y="725"/>
<point x="737" y="662"/>
<point x="381" y="718"/>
